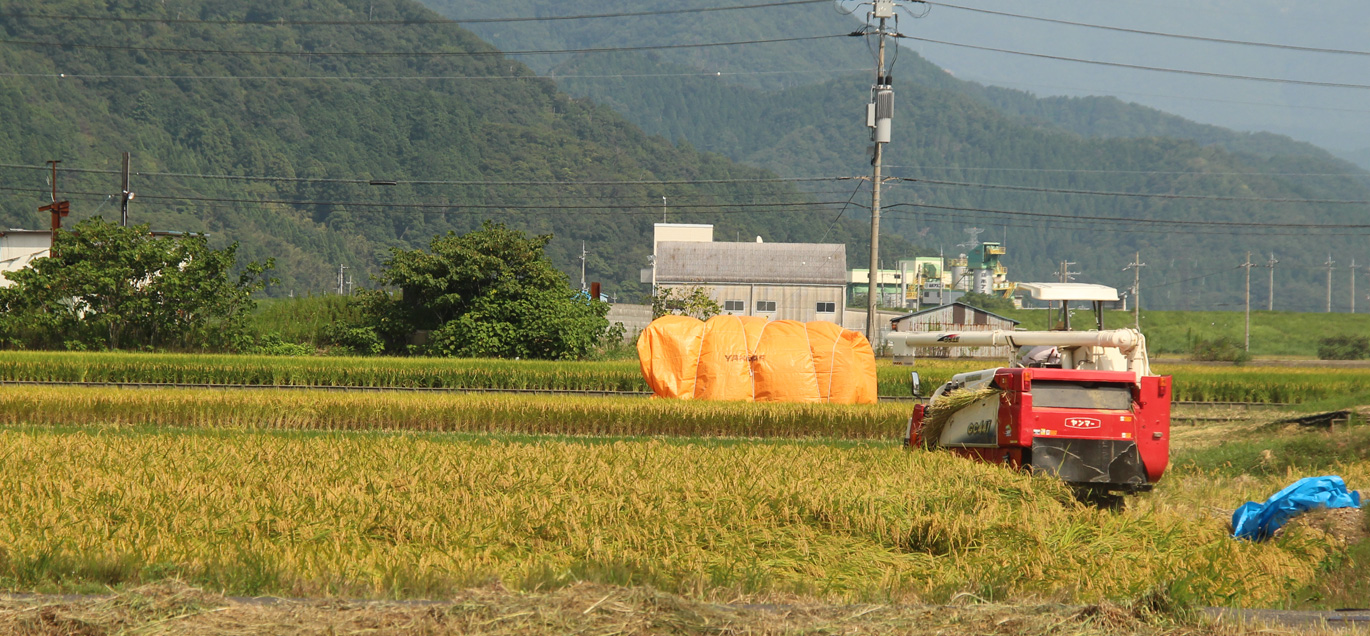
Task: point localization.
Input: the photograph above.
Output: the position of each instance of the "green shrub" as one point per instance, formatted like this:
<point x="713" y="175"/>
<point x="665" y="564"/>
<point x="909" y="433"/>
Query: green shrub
<point x="1220" y="349"/>
<point x="273" y="345"/>
<point x="1344" y="348"/>
<point x="357" y="340"/>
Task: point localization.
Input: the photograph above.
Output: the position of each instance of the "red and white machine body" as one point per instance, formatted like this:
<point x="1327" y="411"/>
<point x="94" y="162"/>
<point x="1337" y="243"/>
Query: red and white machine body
<point x="1091" y="413"/>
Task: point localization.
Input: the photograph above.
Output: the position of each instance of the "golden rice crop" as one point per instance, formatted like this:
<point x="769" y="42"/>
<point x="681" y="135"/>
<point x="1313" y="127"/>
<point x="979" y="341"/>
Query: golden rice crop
<point x="402" y="515"/>
<point x="319" y="371"/>
<point x="1192" y="382"/>
<point x="444" y="412"/>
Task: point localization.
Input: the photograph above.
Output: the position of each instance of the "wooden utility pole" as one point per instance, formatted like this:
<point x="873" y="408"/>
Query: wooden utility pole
<point x="59" y="209"/>
<point x="126" y="196"/>
<point x="879" y="114"/>
<point x="1247" y="266"/>
<point x="1271" y="264"/>
<point x="1329" y="264"/>
<point x="1136" y="266"/>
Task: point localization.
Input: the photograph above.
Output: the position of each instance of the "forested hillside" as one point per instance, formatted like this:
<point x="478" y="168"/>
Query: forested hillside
<point x="999" y="147"/>
<point x="271" y="134"/>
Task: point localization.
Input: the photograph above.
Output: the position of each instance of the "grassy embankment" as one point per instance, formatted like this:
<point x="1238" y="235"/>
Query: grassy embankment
<point x="1249" y="383"/>
<point x="118" y="487"/>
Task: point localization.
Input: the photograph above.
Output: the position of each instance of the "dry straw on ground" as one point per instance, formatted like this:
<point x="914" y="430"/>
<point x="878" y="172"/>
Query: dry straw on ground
<point x="175" y="610"/>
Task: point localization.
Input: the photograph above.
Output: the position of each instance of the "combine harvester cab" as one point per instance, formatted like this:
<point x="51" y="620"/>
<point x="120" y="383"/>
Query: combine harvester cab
<point x="1080" y="405"/>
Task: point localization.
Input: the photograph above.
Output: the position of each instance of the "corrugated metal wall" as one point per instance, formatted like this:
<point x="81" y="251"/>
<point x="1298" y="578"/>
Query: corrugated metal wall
<point x="957" y="318"/>
<point x="792" y="302"/>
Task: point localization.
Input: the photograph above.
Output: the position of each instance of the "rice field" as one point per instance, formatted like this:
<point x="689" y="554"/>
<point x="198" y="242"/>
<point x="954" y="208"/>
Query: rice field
<point x="444" y="413"/>
<point x="1192" y="382"/>
<point x="416" y="515"/>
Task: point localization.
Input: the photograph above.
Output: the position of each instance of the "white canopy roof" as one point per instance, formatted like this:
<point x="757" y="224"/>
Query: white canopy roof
<point x="1070" y="291"/>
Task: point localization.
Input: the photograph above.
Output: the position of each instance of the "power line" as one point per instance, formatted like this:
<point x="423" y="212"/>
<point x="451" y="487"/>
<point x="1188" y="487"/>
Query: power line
<point x="303" y="53"/>
<point x="1099" y="92"/>
<point x="1073" y="170"/>
<point x="964" y="214"/>
<point x="1119" y="219"/>
<point x="411" y="22"/>
<point x="267" y="178"/>
<point x="1141" y="67"/>
<point x="1148" y="195"/>
<point x="389" y="78"/>
<point x="1178" y="36"/>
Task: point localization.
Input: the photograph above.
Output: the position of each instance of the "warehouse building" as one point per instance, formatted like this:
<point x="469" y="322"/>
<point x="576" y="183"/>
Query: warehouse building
<point x="780" y="281"/>
<point x="956" y="317"/>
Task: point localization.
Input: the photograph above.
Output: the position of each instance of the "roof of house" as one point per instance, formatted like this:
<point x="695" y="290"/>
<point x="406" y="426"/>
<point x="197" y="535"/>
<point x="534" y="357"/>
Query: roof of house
<point x="775" y="263"/>
<point x="970" y="307"/>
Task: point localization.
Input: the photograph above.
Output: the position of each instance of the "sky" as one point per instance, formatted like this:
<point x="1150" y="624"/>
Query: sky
<point x="1337" y="119"/>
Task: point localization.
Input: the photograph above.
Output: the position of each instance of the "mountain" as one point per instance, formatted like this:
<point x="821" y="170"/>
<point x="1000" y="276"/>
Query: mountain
<point x="265" y="122"/>
<point x="1005" y="151"/>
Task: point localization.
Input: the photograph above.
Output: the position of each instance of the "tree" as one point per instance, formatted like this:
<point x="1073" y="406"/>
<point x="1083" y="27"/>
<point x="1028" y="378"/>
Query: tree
<point x="987" y="302"/>
<point x="107" y="286"/>
<point x="684" y="301"/>
<point x="488" y="293"/>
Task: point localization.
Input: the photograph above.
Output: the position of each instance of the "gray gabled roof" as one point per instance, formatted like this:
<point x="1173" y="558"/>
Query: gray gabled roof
<point x="970" y="307"/>
<point x="777" y="263"/>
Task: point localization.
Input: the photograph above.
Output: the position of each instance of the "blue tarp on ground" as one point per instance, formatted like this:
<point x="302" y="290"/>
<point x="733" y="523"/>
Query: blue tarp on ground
<point x="1257" y="521"/>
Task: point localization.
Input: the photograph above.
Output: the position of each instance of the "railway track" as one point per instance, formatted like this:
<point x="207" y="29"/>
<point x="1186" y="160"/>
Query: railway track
<point x="405" y="389"/>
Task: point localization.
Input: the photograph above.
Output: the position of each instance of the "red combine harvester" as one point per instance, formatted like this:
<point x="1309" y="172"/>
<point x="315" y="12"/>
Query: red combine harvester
<point x="1080" y="405"/>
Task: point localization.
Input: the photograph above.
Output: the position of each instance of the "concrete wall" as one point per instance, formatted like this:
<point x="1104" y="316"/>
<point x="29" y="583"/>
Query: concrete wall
<point x="635" y="318"/>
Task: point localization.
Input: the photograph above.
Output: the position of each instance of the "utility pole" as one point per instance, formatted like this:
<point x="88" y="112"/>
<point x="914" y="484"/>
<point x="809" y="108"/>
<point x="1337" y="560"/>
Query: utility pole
<point x="126" y="196"/>
<point x="58" y="209"/>
<point x="879" y="113"/>
<point x="582" y="266"/>
<point x="342" y="269"/>
<point x="1065" y="272"/>
<point x="1353" y="285"/>
<point x="1271" y="264"/>
<point x="1329" y="264"/>
<point x="663" y="208"/>
<point x="1136" y="266"/>
<point x="1247" y="266"/>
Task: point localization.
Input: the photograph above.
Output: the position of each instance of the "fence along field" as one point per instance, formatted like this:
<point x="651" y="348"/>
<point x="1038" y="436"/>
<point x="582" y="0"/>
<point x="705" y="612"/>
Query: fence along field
<point x="257" y="512"/>
<point x="1192" y="382"/>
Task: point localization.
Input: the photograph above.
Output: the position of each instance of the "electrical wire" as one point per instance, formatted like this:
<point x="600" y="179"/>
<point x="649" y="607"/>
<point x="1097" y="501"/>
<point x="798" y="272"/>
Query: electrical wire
<point x="1178" y="36"/>
<point x="1119" y="219"/>
<point x="374" y="78"/>
<point x="1137" y="172"/>
<point x="414" y="22"/>
<point x="234" y="177"/>
<point x="1141" y="67"/>
<point x="443" y="54"/>
<point x="1145" y="195"/>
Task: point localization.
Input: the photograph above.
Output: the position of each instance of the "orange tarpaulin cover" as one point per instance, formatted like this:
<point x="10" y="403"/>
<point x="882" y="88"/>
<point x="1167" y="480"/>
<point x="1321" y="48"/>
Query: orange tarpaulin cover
<point x="756" y="360"/>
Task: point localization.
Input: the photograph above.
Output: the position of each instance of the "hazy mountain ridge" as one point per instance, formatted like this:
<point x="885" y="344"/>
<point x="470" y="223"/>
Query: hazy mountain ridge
<point x="511" y="127"/>
<point x="947" y="129"/>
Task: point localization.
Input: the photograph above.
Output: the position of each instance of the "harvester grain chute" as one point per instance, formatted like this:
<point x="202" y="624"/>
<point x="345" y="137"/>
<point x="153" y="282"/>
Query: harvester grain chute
<point x="1080" y="405"/>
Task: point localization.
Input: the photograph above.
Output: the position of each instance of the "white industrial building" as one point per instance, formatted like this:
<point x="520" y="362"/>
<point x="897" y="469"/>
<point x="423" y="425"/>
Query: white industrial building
<point x="780" y="281"/>
<point x="19" y="248"/>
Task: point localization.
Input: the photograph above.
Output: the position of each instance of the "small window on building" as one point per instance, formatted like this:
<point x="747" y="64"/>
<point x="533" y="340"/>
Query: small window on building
<point x="734" y="305"/>
<point x="827" y="308"/>
<point x="765" y="305"/>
